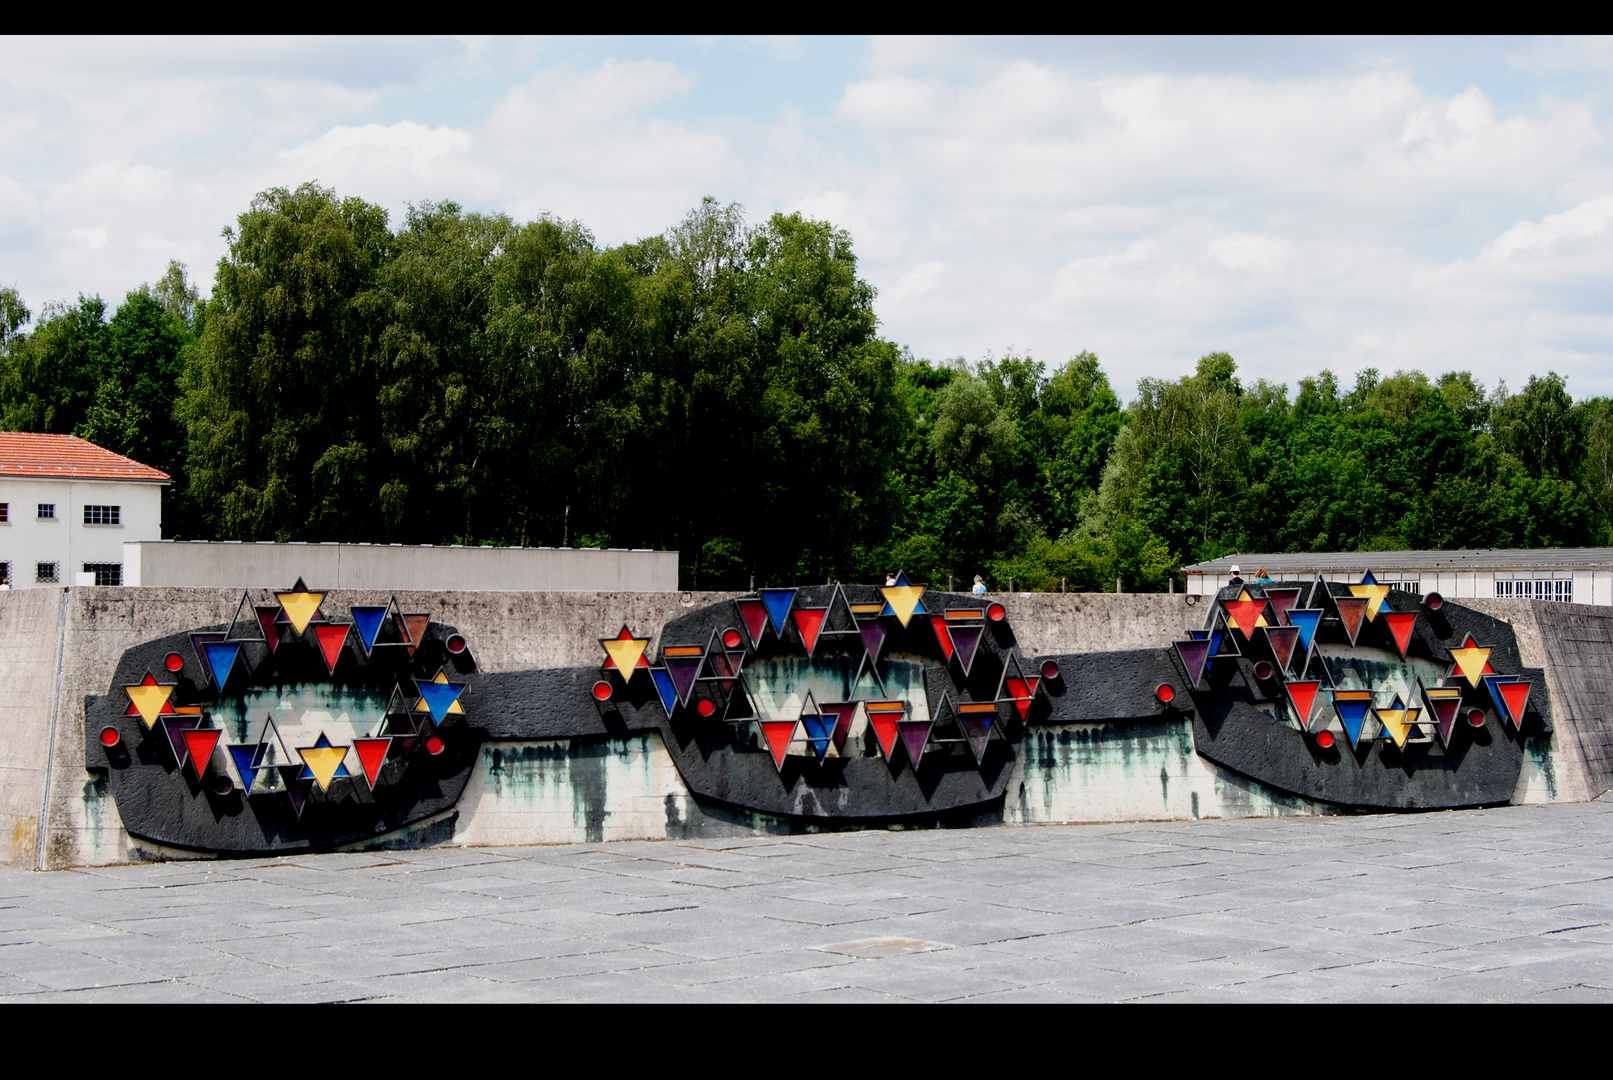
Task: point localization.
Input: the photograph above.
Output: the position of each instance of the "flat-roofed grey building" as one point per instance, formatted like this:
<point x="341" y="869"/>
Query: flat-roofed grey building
<point x="1568" y="575"/>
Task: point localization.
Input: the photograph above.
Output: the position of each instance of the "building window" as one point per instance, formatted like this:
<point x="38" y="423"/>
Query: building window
<point x="45" y="573"/>
<point x="1559" y="590"/>
<point x="47" y="511"/>
<point x="102" y="515"/>
<point x="5" y="513"/>
<point x="106" y="573"/>
<point x="5" y="573"/>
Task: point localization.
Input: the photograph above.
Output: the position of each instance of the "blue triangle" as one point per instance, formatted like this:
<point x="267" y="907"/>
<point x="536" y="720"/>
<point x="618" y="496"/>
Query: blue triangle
<point x="221" y="658"/>
<point x="1368" y="579"/>
<point x="1353" y="714"/>
<point x="1307" y="621"/>
<point x="1197" y="635"/>
<point x="777" y="602"/>
<point x="1495" y="696"/>
<point x="438" y="696"/>
<point x="664" y="687"/>
<point x="818" y="730"/>
<point x="308" y="774"/>
<point x="368" y="620"/>
<point x="901" y="578"/>
<point x="244" y="757"/>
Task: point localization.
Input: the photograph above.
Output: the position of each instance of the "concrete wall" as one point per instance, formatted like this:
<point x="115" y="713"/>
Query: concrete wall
<point x="394" y="567"/>
<point x="56" y="645"/>
<point x="27" y="540"/>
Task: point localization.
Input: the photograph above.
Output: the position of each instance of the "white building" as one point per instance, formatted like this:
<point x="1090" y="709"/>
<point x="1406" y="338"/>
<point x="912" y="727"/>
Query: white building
<point x="1568" y="575"/>
<point x="67" y="506"/>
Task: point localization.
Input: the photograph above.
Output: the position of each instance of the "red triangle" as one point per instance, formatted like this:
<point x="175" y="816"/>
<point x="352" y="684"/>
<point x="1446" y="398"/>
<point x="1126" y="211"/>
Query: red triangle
<point x="1400" y="624"/>
<point x="271" y="632"/>
<point x="844" y="712"/>
<point x="778" y="733"/>
<point x="1302" y="695"/>
<point x="1019" y="692"/>
<point x="1245" y="613"/>
<point x="1282" y="640"/>
<point x="1352" y="611"/>
<point x="371" y="756"/>
<point x="753" y="613"/>
<point x="884" y="725"/>
<point x="332" y="636"/>
<point x="809" y="621"/>
<point x="1516" y="695"/>
<point x="941" y="635"/>
<point x="200" y="744"/>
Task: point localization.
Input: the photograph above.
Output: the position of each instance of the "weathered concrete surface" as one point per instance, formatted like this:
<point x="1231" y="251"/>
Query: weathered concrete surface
<point x="1491" y="905"/>
<point x="200" y="564"/>
<point x="81" y="632"/>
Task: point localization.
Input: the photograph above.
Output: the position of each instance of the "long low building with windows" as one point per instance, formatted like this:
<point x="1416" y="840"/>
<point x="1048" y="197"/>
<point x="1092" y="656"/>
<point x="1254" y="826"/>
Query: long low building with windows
<point x="1565" y="575"/>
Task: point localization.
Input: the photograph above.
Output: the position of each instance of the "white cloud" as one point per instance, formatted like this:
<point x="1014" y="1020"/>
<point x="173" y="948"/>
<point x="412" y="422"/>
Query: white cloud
<point x="1301" y="221"/>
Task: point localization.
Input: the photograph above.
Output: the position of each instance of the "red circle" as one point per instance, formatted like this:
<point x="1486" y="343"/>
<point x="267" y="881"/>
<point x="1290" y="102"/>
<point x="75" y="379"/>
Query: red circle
<point x="224" y="786"/>
<point x="1476" y="718"/>
<point x="1325" y="739"/>
<point x="173" y="661"/>
<point x="1434" y="601"/>
<point x="1165" y="692"/>
<point x="730" y="639"/>
<point x="456" y="644"/>
<point x="434" y="746"/>
<point x="1050" y="669"/>
<point x="1262" y="670"/>
<point x="602" y="690"/>
<point x="706" y="707"/>
<point x="110" y="736"/>
<point x="995" y="613"/>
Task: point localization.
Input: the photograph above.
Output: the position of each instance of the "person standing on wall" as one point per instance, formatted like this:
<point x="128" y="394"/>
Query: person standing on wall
<point x="979" y="588"/>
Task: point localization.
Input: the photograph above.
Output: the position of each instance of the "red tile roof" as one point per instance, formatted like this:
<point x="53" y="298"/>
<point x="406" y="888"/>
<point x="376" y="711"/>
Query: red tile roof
<point x="68" y="457"/>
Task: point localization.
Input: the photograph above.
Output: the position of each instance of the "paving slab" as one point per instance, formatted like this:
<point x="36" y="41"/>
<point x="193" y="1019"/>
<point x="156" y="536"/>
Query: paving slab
<point x="1509" y="904"/>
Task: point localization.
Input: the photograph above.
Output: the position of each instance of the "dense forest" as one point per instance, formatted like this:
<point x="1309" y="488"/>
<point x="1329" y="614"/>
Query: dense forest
<point x="723" y="389"/>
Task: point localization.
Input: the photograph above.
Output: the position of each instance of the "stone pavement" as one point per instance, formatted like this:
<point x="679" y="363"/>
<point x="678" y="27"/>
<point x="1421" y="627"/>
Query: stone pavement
<point x="1510" y="904"/>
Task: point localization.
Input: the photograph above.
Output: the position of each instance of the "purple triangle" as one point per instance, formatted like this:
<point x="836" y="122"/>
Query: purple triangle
<point x="175" y="727"/>
<point x="873" y="635"/>
<point x="915" y="733"/>
<point x="978" y="732"/>
<point x="683" y="671"/>
<point x="1194" y="655"/>
<point x="299" y="797"/>
<point x="965" y="642"/>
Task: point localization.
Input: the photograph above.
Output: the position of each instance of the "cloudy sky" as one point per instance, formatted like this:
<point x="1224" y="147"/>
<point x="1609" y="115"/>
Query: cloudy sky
<point x="1434" y="204"/>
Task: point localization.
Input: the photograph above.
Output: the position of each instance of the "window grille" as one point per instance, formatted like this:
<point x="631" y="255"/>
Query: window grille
<point x="5" y="512"/>
<point x="45" y="573"/>
<point x="1559" y="590"/>
<point x="106" y="573"/>
<point x="47" y="511"/>
<point x="102" y="515"/>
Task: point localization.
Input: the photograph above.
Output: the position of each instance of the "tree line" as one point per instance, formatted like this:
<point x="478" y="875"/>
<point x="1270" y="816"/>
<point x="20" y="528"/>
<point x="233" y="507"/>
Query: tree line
<point x="723" y="389"/>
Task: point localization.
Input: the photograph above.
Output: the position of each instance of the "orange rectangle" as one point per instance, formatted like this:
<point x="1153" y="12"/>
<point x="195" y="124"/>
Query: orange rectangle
<point x="1352" y="695"/>
<point x="189" y="710"/>
<point x="977" y="707"/>
<point x="867" y="609"/>
<point x="683" y="650"/>
<point x="954" y="614"/>
<point x="886" y="706"/>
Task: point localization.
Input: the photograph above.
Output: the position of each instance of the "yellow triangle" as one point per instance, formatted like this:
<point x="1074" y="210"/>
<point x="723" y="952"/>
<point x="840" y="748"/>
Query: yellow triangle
<point x="149" y="700"/>
<point x="902" y="599"/>
<point x="1470" y="662"/>
<point x="323" y="761"/>
<point x="299" y="607"/>
<point x="624" y="653"/>
<point x="1244" y="595"/>
<point x="453" y="706"/>
<point x="1375" y="594"/>
<point x="1261" y="621"/>
<point x="1397" y="723"/>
